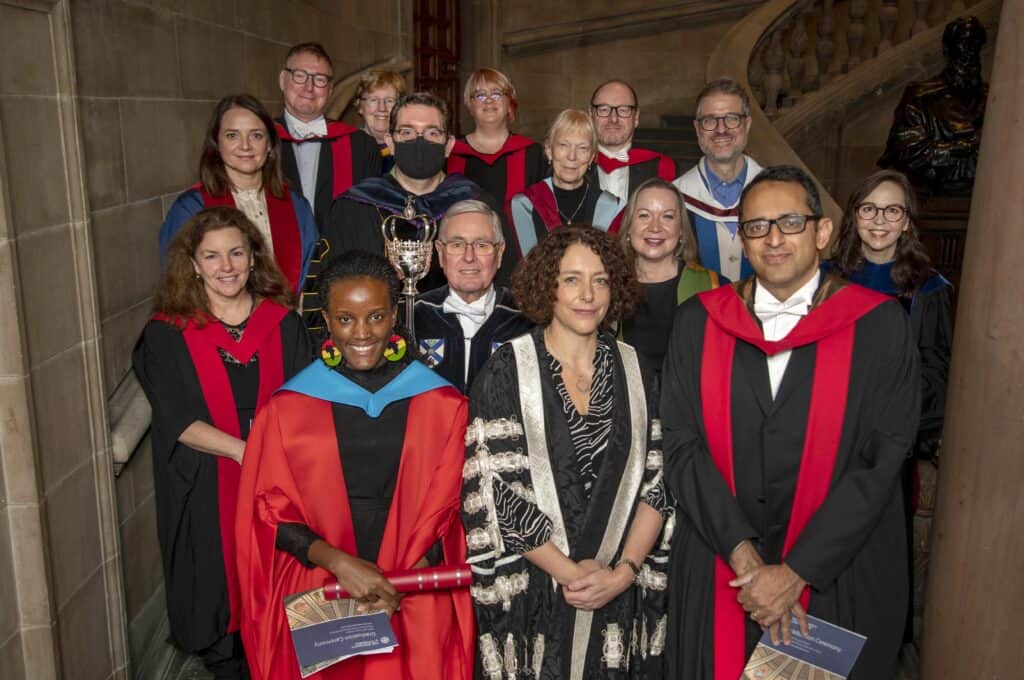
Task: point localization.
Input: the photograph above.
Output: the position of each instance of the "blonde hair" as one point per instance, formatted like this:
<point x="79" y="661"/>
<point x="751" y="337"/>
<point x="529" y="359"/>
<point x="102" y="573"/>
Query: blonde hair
<point x="572" y="120"/>
<point x="686" y="249"/>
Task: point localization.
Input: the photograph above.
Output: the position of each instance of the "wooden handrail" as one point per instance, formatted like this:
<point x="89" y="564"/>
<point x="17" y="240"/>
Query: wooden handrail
<point x="731" y="59"/>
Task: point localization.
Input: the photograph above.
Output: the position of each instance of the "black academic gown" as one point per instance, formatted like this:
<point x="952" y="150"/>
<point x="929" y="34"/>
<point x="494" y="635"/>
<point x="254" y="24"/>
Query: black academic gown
<point x="365" y="161"/>
<point x="493" y="177"/>
<point x="185" y="480"/>
<point x="443" y="345"/>
<point x="853" y="551"/>
<point x="523" y="622"/>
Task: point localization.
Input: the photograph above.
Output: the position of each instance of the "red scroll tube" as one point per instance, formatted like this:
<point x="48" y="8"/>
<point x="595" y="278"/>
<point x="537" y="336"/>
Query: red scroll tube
<point x="444" y="577"/>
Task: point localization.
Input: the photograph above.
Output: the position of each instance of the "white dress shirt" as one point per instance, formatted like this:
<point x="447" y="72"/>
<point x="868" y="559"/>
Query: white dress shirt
<point x="307" y="156"/>
<point x="778" y="318"/>
<point x="471" y="316"/>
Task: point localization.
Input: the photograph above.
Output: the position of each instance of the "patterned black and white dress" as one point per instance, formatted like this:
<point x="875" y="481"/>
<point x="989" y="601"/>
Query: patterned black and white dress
<point x="538" y="470"/>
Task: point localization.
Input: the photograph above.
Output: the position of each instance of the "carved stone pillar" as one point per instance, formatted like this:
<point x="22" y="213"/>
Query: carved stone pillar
<point x="826" y="45"/>
<point x="796" y="65"/>
<point x="774" y="58"/>
<point x="888" y="14"/>
<point x="855" y="32"/>
<point x="975" y="590"/>
<point x="920" y="17"/>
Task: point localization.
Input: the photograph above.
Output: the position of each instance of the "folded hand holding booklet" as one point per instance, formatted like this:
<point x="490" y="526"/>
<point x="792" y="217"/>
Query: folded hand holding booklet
<point x="827" y="653"/>
<point x="326" y="632"/>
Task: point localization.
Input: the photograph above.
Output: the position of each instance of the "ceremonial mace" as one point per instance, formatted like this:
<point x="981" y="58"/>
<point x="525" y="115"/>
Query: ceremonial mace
<point x="411" y="257"/>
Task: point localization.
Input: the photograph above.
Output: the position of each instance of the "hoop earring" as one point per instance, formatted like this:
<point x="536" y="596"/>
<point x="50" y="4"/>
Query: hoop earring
<point x="330" y="354"/>
<point x="395" y="351"/>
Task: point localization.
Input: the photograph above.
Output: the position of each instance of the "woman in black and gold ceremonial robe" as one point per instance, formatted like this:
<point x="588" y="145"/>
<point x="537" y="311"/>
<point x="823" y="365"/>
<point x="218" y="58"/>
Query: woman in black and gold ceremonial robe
<point x="222" y="339"/>
<point x="354" y="469"/>
<point x="562" y="497"/>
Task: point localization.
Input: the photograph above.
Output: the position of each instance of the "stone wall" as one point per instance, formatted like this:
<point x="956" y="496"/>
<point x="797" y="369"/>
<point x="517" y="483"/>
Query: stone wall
<point x="663" y="60"/>
<point x="101" y="118"/>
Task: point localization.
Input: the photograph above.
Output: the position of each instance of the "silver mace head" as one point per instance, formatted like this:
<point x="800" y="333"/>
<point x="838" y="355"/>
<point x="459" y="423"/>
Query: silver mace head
<point x="411" y="257"/>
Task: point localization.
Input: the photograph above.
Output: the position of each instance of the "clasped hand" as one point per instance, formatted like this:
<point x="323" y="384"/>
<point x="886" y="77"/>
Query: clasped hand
<point x="594" y="585"/>
<point x="768" y="592"/>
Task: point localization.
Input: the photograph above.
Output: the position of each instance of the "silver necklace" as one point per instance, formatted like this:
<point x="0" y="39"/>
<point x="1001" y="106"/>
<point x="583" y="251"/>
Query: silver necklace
<point x="568" y="220"/>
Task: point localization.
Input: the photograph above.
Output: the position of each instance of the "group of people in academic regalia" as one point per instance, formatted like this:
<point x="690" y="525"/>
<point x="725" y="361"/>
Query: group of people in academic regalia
<point x="648" y="416"/>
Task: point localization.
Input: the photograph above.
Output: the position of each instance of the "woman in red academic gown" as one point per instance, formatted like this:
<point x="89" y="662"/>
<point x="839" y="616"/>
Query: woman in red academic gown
<point x="221" y="341"/>
<point x="240" y="166"/>
<point x="354" y="469"/>
<point x="501" y="162"/>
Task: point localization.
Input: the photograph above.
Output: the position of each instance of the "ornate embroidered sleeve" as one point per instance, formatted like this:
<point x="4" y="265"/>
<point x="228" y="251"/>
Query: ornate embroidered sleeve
<point x="498" y="499"/>
<point x="653" y="490"/>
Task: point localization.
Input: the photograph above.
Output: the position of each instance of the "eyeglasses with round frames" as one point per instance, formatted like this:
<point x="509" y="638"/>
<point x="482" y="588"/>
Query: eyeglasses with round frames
<point x="457" y="246"/>
<point x="891" y="213"/>
<point x="787" y="224"/>
<point x="375" y="102"/>
<point x="300" y="76"/>
<point x="431" y="134"/>
<point x="605" y="110"/>
<point x="494" y="95"/>
<point x="730" y="120"/>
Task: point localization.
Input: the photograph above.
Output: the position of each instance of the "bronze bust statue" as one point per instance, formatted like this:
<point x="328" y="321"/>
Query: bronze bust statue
<point x="936" y="129"/>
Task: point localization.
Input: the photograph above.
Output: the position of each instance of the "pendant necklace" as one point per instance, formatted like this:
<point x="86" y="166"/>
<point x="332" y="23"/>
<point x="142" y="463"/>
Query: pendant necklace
<point x="570" y="218"/>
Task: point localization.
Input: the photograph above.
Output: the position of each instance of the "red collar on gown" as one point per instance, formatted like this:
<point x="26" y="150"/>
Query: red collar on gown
<point x="339" y="135"/>
<point x="666" y="166"/>
<point x="284" y="230"/>
<point x="262" y="335"/>
<point x="515" y="170"/>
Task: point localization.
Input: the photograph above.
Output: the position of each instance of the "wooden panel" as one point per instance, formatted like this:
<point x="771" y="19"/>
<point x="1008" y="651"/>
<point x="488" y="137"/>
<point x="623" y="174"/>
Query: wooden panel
<point x="436" y="52"/>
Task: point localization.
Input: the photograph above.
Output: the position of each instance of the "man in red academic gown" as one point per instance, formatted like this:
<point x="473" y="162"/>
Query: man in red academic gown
<point x="620" y="166"/>
<point x="789" y="403"/>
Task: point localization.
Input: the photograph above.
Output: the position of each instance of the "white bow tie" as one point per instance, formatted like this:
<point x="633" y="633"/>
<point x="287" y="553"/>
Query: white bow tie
<point x="316" y="128"/>
<point x="794" y="306"/>
<point x="476" y="311"/>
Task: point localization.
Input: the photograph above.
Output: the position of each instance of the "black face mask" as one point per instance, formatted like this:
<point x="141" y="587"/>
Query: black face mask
<point x="419" y="158"/>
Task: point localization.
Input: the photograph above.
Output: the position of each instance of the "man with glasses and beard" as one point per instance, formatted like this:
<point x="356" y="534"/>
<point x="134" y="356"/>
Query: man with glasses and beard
<point x="459" y="325"/>
<point x="789" y="402"/>
<point x="711" y="189"/>
<point x="420" y="141"/>
<point x="615" y="111"/>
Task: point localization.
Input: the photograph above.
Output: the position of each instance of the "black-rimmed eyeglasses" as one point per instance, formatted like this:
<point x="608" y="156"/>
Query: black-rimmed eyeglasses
<point x="891" y="213"/>
<point x="787" y="224"/>
<point x="605" y="110"/>
<point x="431" y="134"/>
<point x="731" y="121"/>
<point x="300" y="76"/>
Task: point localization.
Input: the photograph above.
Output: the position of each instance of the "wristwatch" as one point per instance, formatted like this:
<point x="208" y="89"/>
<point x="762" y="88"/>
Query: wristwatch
<point x="632" y="565"/>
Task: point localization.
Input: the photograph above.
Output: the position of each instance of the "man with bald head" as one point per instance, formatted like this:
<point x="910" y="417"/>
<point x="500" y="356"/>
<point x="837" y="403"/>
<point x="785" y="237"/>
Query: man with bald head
<point x="620" y="166"/>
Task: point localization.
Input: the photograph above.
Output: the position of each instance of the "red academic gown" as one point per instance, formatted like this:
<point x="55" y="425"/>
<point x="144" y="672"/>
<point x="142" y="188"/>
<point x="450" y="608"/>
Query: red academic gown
<point x="292" y="473"/>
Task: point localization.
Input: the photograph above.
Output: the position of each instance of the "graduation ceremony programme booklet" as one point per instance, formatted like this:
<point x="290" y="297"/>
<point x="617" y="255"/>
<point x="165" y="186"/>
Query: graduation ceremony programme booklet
<point x="328" y="631"/>
<point x="827" y="653"/>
